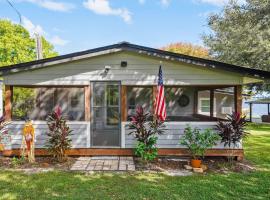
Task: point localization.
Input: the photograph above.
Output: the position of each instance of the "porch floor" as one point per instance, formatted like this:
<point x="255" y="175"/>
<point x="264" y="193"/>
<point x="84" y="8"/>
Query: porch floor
<point x="104" y="163"/>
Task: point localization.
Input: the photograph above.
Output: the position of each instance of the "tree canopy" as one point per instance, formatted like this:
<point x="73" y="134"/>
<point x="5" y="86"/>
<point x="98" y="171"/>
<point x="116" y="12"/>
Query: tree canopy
<point x="187" y="49"/>
<point x="240" y="34"/>
<point x="16" y="45"/>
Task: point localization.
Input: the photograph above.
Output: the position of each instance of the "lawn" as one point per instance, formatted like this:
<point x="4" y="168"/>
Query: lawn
<point x="64" y="185"/>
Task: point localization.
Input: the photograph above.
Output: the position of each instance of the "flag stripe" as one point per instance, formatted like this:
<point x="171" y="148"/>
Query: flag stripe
<point x="160" y="105"/>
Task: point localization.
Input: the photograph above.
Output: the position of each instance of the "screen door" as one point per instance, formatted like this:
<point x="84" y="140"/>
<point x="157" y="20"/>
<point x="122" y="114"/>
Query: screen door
<point x="105" y="108"/>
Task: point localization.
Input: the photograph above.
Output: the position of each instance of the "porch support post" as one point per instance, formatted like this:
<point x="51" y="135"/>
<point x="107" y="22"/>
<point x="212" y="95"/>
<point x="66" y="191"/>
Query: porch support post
<point x="8" y="102"/>
<point x="124" y="103"/>
<point x="212" y="103"/>
<point x="238" y="98"/>
<point x="87" y="97"/>
<point x="250" y="112"/>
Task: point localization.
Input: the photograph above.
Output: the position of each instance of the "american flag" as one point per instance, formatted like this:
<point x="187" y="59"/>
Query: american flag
<point x="160" y="104"/>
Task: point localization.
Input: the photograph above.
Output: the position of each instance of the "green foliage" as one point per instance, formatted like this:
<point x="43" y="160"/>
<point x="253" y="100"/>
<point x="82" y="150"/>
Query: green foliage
<point x="16" y="162"/>
<point x="147" y="151"/>
<point x="198" y="142"/>
<point x="59" y="132"/>
<point x="16" y="45"/>
<point x="187" y="49"/>
<point x="240" y="34"/>
<point x="144" y="128"/>
<point x="23" y="102"/>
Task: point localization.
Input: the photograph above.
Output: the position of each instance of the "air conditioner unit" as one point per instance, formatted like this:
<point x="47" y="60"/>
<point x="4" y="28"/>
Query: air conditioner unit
<point x="226" y="110"/>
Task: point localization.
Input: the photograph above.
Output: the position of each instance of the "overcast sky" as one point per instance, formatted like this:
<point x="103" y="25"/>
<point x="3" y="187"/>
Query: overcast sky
<point x="74" y="25"/>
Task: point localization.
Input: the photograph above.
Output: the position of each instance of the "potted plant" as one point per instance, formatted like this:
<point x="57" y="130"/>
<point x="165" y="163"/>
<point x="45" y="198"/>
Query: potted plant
<point x="198" y="142"/>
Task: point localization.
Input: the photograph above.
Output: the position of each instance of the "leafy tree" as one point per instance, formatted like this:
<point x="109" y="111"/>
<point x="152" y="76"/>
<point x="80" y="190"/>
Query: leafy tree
<point x="16" y="45"/>
<point x="187" y="49"/>
<point x="240" y="34"/>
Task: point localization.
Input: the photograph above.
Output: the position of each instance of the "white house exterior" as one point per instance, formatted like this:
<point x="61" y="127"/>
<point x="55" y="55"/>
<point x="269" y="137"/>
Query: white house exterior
<point x="98" y="90"/>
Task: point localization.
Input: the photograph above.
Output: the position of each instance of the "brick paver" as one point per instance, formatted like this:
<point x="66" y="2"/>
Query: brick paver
<point x="104" y="163"/>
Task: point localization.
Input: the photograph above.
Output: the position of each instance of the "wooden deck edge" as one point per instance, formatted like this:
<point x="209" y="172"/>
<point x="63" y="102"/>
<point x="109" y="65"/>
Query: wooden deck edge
<point x="239" y="153"/>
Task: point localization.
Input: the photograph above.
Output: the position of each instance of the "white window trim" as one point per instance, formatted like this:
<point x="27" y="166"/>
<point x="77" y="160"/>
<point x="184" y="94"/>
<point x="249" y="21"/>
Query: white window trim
<point x="200" y="104"/>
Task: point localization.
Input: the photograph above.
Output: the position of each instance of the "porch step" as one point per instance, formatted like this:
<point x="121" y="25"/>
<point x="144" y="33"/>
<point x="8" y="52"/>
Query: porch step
<point x="105" y="158"/>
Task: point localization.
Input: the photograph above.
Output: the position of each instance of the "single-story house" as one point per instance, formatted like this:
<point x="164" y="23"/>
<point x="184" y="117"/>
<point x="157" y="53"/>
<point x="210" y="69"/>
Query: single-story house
<point x="98" y="90"/>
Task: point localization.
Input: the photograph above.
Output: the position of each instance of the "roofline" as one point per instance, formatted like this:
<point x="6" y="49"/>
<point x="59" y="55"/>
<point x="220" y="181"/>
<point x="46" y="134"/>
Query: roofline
<point x="125" y="46"/>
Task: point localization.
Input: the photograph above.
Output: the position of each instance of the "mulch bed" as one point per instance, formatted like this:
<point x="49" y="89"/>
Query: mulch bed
<point x="214" y="164"/>
<point x="41" y="162"/>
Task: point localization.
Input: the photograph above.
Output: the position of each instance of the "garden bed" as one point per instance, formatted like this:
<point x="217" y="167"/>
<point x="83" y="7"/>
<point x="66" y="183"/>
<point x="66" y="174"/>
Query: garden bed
<point x="41" y="163"/>
<point x="213" y="164"/>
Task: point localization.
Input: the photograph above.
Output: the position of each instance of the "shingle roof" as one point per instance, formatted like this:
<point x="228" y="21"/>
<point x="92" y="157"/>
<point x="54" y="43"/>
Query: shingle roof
<point x="125" y="46"/>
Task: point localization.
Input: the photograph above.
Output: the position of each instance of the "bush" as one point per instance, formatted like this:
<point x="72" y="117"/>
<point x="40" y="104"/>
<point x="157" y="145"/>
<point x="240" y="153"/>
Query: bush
<point x="58" y="134"/>
<point x="147" y="151"/>
<point x="198" y="142"/>
<point x="145" y="128"/>
<point x="232" y="131"/>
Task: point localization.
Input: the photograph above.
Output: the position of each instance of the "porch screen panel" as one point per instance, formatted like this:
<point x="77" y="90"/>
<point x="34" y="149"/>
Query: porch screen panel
<point x="139" y="96"/>
<point x="225" y="104"/>
<point x="179" y="103"/>
<point x="37" y="103"/>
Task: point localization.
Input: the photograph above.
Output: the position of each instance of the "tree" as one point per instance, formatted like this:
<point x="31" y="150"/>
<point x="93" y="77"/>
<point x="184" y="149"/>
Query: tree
<point x="16" y="45"/>
<point x="187" y="49"/>
<point x="240" y="34"/>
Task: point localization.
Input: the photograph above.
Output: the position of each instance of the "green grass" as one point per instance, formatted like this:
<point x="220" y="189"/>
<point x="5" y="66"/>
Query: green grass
<point x="64" y="185"/>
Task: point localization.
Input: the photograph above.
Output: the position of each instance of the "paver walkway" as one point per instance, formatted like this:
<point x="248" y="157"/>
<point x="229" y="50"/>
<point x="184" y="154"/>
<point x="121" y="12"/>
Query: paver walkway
<point x="104" y="163"/>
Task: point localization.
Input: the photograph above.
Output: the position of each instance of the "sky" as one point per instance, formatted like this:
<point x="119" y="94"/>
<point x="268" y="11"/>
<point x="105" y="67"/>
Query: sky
<point x="76" y="25"/>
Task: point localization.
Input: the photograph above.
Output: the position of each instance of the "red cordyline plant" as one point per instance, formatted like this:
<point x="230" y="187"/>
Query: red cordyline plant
<point x="232" y="131"/>
<point x="59" y="135"/>
<point x="144" y="125"/>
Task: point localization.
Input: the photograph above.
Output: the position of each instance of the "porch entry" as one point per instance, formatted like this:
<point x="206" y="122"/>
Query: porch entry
<point x="105" y="109"/>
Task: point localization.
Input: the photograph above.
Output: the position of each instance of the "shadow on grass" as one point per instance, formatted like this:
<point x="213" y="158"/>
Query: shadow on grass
<point x="64" y="185"/>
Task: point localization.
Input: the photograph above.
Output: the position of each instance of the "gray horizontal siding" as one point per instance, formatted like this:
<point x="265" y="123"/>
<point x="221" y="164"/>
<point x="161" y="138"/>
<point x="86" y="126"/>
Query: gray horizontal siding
<point x="79" y="134"/>
<point x="141" y="70"/>
<point x="172" y="135"/>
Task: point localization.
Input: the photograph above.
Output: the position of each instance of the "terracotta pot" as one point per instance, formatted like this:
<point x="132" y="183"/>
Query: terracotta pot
<point x="196" y="163"/>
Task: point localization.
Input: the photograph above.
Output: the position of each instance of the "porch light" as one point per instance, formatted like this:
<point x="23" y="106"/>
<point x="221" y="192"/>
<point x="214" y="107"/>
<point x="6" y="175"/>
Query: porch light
<point x="123" y="63"/>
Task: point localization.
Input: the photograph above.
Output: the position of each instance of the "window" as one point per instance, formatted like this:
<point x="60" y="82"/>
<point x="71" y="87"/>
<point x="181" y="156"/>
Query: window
<point x="204" y="103"/>
<point x="204" y="106"/>
<point x="224" y="101"/>
<point x="37" y="103"/>
<point x="139" y="96"/>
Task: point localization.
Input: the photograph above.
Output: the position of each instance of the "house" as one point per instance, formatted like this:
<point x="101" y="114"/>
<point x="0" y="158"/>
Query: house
<point x="98" y="90"/>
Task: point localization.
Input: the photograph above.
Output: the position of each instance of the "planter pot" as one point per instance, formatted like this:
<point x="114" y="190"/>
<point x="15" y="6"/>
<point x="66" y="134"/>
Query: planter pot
<point x="196" y="163"/>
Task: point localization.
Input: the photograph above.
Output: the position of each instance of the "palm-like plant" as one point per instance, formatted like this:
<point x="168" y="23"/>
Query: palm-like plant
<point x="232" y="131"/>
<point x="59" y="132"/>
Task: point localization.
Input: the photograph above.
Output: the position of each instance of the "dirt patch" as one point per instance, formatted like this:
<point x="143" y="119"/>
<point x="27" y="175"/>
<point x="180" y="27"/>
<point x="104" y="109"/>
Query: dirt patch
<point x="213" y="164"/>
<point x="41" y="163"/>
<point x="223" y="165"/>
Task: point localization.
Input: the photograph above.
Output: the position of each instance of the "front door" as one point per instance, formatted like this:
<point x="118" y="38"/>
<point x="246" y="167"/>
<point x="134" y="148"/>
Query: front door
<point x="105" y="107"/>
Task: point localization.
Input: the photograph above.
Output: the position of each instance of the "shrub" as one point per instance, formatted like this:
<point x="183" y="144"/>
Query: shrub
<point x="232" y="131"/>
<point x="147" y="151"/>
<point x="58" y="134"/>
<point x="198" y="142"/>
<point x="144" y="128"/>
